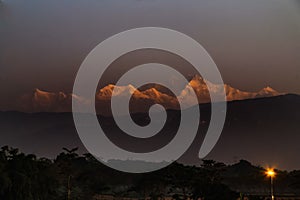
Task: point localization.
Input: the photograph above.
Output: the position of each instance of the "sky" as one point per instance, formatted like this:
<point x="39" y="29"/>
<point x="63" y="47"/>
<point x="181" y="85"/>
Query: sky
<point x="42" y="43"/>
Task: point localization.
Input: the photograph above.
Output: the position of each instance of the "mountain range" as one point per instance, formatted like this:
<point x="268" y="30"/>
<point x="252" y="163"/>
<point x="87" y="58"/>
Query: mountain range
<point x="42" y="101"/>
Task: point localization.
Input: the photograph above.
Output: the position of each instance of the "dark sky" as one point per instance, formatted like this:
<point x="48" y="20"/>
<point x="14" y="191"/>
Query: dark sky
<point x="42" y="43"/>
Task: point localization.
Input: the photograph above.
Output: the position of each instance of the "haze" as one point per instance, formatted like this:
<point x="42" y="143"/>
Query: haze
<point x="42" y="43"/>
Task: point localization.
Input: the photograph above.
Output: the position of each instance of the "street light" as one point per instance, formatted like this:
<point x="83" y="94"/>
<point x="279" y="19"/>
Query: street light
<point x="271" y="173"/>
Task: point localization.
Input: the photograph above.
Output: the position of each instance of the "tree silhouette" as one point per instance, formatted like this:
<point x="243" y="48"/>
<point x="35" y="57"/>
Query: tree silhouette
<point x="76" y="177"/>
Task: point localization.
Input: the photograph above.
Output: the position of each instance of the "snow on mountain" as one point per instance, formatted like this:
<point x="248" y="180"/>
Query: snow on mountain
<point x="119" y="91"/>
<point x="159" y="97"/>
<point x="267" y="92"/>
<point x="196" y="85"/>
<point x="141" y="100"/>
<point x="236" y="94"/>
<point x="42" y="101"/>
<point x="201" y="89"/>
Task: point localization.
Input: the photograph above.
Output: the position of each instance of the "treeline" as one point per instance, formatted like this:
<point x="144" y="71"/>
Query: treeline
<point x="73" y="176"/>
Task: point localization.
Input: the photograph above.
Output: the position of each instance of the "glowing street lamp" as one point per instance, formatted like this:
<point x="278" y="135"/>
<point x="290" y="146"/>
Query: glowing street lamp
<point x="271" y="173"/>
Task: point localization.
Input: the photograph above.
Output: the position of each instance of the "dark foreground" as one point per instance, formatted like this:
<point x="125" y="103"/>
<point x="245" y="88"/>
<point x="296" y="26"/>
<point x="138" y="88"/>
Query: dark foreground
<point x="73" y="176"/>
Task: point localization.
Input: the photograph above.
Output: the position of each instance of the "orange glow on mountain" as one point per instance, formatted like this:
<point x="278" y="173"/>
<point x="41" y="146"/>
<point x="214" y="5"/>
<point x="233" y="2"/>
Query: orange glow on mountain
<point x="42" y="101"/>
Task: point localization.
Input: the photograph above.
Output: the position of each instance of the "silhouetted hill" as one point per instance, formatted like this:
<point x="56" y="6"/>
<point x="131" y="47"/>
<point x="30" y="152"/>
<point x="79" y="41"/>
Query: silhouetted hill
<point x="263" y="131"/>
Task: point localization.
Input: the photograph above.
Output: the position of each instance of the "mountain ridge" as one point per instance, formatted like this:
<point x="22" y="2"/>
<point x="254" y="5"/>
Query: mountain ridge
<point x="42" y="101"/>
<point x="248" y="128"/>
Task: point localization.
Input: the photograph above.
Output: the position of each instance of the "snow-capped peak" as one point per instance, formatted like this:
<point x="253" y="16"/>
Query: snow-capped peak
<point x="41" y="100"/>
<point x="267" y="92"/>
